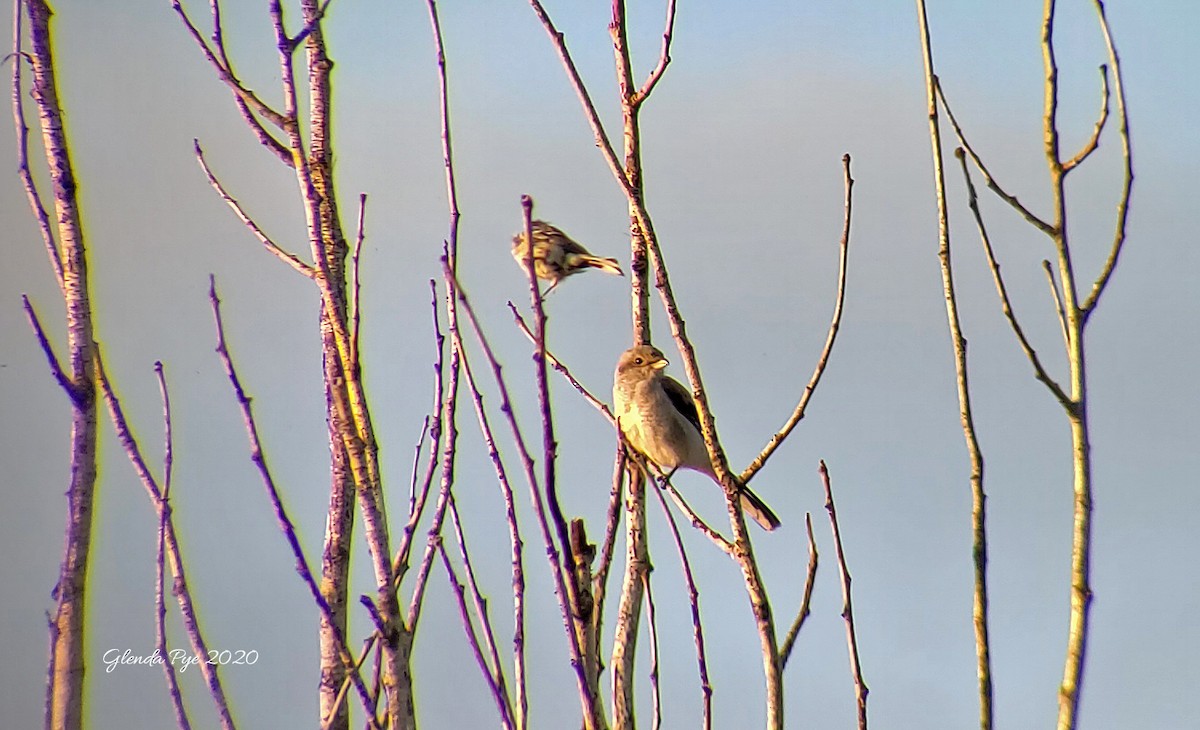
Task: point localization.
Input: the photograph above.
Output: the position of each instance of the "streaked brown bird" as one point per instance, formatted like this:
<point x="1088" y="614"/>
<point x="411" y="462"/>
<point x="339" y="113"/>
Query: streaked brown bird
<point x="659" y="419"/>
<point x="556" y="256"/>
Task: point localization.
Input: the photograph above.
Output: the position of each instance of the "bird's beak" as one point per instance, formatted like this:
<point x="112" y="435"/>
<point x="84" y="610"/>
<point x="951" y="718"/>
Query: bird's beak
<point x="660" y="364"/>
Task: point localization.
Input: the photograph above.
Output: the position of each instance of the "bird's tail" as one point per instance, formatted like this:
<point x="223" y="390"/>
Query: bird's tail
<point x="753" y="505"/>
<point x="608" y="266"/>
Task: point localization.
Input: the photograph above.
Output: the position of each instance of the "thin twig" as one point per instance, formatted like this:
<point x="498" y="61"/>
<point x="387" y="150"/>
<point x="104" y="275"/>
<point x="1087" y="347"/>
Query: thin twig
<point x="1006" y="303"/>
<point x="355" y="282"/>
<point x="226" y="75"/>
<point x="830" y="338"/>
<point x="994" y="186"/>
<point x="288" y="258"/>
<point x="258" y="456"/>
<point x="561" y="368"/>
<point x="717" y="538"/>
<point x="590" y="703"/>
<point x="23" y="170"/>
<point x="664" y="58"/>
<point x="1094" y="141"/>
<point x="63" y="380"/>
<point x="180" y="589"/>
<point x="1089" y="305"/>
<point x="706" y="691"/>
<point x="860" y="687"/>
<point x="549" y="444"/>
<point x="420" y="494"/>
<point x="789" y="641"/>
<point x="966" y="415"/>
<point x="491" y="673"/>
<point x="514" y="534"/>
<point x="1058" y="303"/>
<point x="652" y="624"/>
<point x="160" y="604"/>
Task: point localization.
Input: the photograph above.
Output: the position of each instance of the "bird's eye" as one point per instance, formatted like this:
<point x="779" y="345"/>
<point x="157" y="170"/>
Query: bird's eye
<point x="638" y="361"/>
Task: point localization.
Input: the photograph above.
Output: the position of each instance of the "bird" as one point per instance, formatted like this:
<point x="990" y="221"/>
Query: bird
<point x="556" y="256"/>
<point x="658" y="417"/>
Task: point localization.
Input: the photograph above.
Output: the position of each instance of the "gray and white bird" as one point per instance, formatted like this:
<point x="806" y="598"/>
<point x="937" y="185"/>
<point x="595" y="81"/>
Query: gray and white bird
<point x="556" y="256"/>
<point x="659" y="419"/>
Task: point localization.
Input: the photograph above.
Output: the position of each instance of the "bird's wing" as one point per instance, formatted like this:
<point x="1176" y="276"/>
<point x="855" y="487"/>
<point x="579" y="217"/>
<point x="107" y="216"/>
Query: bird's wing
<point x="681" y="398"/>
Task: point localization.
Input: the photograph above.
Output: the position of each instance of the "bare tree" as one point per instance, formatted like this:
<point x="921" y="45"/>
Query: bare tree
<point x="1073" y="309"/>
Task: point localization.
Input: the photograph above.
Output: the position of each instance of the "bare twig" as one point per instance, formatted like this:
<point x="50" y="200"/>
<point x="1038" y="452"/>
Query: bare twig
<point x="549" y="444"/>
<point x="31" y="191"/>
<point x="1094" y="141"/>
<point x="706" y="691"/>
<point x="1058" y="303"/>
<point x="63" y="380"/>
<point x="600" y="581"/>
<point x="830" y="338"/>
<point x="355" y="282"/>
<point x="1005" y="303"/>
<point x="518" y="564"/>
<point x="419" y="494"/>
<point x="664" y="57"/>
<point x="492" y="672"/>
<point x="698" y="522"/>
<point x="994" y="186"/>
<point x="265" y="138"/>
<point x="789" y="641"/>
<point x="288" y="258"/>
<point x="966" y="416"/>
<point x="1110" y="264"/>
<point x="226" y="73"/>
<point x="860" y="687"/>
<point x="164" y="514"/>
<point x="260" y="461"/>
<point x="591" y="706"/>
<point x="180" y="588"/>
<point x="561" y="368"/>
<point x="652" y="624"/>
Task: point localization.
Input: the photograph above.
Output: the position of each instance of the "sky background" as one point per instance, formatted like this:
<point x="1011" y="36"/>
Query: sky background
<point x="742" y="147"/>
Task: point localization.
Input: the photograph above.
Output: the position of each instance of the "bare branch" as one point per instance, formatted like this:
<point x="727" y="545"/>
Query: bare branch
<point x="1090" y="146"/>
<point x="549" y="444"/>
<point x="260" y="461"/>
<point x="1089" y="305"/>
<point x="860" y="687"/>
<point x="22" y="129"/>
<point x="355" y="282"/>
<point x="994" y="186"/>
<point x="1058" y="303"/>
<point x="492" y="673"/>
<point x="518" y="564"/>
<point x="715" y="537"/>
<point x="689" y="578"/>
<point x="164" y="514"/>
<point x="966" y="413"/>
<point x="664" y="58"/>
<point x="561" y="368"/>
<point x="823" y="360"/>
<point x="789" y="641"/>
<point x="652" y="624"/>
<point x="602" y="141"/>
<point x="310" y="26"/>
<point x="236" y="207"/>
<point x="1005" y="303"/>
<point x="591" y="706"/>
<point x="63" y="380"/>
<point x="420" y="494"/>
<point x="180" y="587"/>
<point x="225" y="73"/>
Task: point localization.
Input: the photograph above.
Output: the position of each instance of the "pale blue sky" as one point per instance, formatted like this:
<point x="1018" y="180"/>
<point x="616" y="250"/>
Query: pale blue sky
<point x="742" y="144"/>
